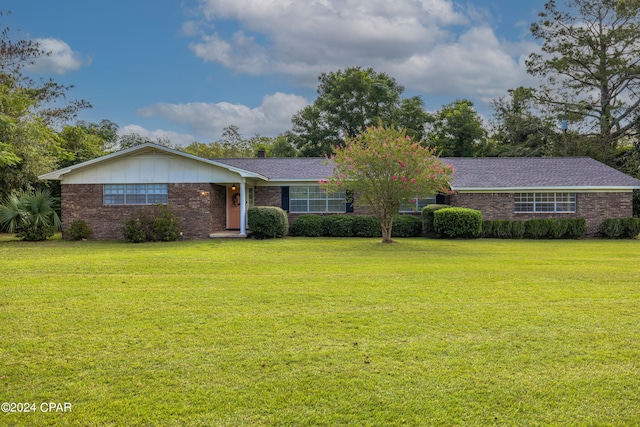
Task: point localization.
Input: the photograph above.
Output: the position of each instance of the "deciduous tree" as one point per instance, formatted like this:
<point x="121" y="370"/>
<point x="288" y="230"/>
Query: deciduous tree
<point x="385" y="167"/>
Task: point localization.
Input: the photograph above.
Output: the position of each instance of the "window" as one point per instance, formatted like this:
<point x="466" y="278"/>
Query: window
<point x="545" y="202"/>
<point x="313" y="199"/>
<point x="416" y="205"/>
<point x="135" y="194"/>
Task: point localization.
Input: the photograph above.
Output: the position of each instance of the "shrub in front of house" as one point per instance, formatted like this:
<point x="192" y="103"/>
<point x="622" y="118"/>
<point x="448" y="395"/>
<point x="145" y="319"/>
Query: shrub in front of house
<point x="613" y="228"/>
<point x="267" y="222"/>
<point x="502" y="229"/>
<point x="577" y="228"/>
<point x="307" y="226"/>
<point x="458" y="222"/>
<point x="78" y="230"/>
<point x="406" y="226"/>
<point x="537" y="228"/>
<point x="157" y="223"/>
<point x="487" y="229"/>
<point x="616" y="228"/>
<point x="427" y="217"/>
<point x="558" y="228"/>
<point x="366" y="226"/>
<point x="632" y="227"/>
<point x="517" y="229"/>
<point x="337" y="226"/>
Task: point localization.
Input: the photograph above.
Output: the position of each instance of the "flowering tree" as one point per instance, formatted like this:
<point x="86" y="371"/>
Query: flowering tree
<point x="384" y="168"/>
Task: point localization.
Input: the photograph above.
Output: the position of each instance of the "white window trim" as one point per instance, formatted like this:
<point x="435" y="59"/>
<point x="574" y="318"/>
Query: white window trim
<point x="326" y="200"/>
<point x="555" y="203"/>
<point x="146" y="194"/>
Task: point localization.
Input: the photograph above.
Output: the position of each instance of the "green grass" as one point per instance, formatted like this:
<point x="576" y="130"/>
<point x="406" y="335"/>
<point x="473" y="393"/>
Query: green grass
<point x="322" y="332"/>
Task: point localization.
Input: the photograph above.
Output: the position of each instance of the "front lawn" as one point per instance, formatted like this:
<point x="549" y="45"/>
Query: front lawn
<point x="322" y="332"/>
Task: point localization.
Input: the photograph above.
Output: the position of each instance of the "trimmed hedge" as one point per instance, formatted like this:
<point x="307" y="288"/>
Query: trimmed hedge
<point x="366" y="226"/>
<point x="572" y="228"/>
<point x="307" y="226"/>
<point x="427" y="217"/>
<point x="458" y="222"/>
<point x="406" y="226"/>
<point x="267" y="222"/>
<point x="617" y="228"/>
<point x="337" y="226"/>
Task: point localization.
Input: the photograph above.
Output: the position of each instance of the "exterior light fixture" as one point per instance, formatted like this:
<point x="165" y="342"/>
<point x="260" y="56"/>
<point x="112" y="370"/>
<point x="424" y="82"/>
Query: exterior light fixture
<point x="233" y="187"/>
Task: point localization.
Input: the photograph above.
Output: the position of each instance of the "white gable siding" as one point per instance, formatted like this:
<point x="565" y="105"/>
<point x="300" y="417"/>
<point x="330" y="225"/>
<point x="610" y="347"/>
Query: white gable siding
<point x="149" y="168"/>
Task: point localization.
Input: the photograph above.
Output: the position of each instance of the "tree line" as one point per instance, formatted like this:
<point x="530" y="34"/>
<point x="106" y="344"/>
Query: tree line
<point x="587" y="103"/>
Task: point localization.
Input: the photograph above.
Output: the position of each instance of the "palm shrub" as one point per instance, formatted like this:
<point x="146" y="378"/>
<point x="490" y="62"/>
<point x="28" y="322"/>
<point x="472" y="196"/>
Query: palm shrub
<point x="31" y="215"/>
<point x="502" y="229"/>
<point x="487" y="229"/>
<point x="613" y="228"/>
<point x="632" y="227"/>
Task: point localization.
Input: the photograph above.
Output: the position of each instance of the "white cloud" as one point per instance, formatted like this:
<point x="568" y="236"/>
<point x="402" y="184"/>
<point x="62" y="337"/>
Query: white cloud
<point x="433" y="46"/>
<point x="209" y="120"/>
<point x="60" y="59"/>
<point x="158" y="134"/>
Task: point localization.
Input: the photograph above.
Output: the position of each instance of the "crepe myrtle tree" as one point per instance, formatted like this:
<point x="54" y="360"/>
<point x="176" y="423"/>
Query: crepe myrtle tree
<point x="386" y="168"/>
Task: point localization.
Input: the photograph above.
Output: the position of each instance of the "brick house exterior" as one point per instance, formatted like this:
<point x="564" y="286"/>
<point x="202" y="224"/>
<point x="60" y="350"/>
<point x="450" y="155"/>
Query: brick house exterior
<point x="201" y="191"/>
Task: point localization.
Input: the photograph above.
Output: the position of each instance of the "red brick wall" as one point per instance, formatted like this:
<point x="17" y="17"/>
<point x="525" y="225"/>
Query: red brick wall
<point x="593" y="207"/>
<point x="199" y="214"/>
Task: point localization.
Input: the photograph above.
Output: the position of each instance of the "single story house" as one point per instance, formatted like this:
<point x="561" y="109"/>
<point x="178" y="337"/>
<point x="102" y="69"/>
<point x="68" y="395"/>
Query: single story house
<point x="212" y="196"/>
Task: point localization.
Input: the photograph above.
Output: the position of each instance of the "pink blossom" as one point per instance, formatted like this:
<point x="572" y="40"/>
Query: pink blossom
<point x="413" y="181"/>
<point x="401" y="164"/>
<point x="404" y="179"/>
<point x="394" y="177"/>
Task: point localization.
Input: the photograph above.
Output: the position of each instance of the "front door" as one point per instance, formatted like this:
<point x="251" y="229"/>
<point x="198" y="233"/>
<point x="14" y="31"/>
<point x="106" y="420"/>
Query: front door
<point x="233" y="207"/>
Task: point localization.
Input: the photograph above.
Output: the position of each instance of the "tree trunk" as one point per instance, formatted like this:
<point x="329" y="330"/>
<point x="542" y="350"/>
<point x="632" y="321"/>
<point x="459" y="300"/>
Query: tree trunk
<point x="386" y="225"/>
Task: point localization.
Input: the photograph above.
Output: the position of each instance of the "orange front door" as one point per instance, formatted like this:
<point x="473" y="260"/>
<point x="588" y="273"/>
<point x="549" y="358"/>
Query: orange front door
<point x="233" y="208"/>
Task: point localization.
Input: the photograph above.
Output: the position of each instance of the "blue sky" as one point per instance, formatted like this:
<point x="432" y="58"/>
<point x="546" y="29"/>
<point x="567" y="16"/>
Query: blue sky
<point x="184" y="70"/>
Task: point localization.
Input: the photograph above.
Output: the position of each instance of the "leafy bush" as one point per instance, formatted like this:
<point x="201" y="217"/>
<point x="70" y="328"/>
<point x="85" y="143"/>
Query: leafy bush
<point x="487" y="229"/>
<point x="267" y="222"/>
<point x="406" y="226"/>
<point x="152" y="224"/>
<point x="337" y="226"/>
<point x="166" y="225"/>
<point x="427" y="217"/>
<point x="517" y="229"/>
<point x="613" y="228"/>
<point x="632" y="227"/>
<point x="133" y="231"/>
<point x="366" y="226"/>
<point x="577" y="228"/>
<point x="307" y="226"/>
<point x="537" y="228"/>
<point x="502" y="229"/>
<point x="616" y="228"/>
<point x="458" y="222"/>
<point x="79" y="230"/>
<point x="558" y="228"/>
<point x="31" y="215"/>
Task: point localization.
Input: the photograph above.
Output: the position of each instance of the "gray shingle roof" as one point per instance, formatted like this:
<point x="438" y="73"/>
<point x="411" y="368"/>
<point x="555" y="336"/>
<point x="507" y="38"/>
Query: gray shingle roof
<point x="536" y="172"/>
<point x="471" y="173"/>
<point x="299" y="168"/>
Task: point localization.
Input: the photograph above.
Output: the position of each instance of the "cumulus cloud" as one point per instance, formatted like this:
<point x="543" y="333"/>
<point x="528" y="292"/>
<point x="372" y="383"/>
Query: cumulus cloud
<point x="60" y="58"/>
<point x="427" y="45"/>
<point x="158" y="134"/>
<point x="208" y="120"/>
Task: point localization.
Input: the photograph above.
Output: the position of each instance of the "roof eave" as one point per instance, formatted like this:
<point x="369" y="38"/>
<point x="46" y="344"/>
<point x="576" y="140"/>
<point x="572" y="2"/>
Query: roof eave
<point x="547" y="189"/>
<point x="57" y="175"/>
